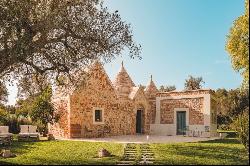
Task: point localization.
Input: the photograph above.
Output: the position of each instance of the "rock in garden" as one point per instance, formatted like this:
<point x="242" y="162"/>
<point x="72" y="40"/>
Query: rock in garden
<point x="7" y="154"/>
<point x="104" y="153"/>
<point x="51" y="137"/>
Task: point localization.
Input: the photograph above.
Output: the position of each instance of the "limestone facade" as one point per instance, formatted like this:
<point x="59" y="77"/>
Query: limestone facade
<point x="101" y="108"/>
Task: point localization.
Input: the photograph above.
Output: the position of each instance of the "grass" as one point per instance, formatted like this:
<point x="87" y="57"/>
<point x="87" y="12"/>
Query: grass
<point x="218" y="152"/>
<point x="62" y="152"/>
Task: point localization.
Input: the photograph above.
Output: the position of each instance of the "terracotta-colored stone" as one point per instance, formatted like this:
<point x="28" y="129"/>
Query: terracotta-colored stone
<point x="119" y="102"/>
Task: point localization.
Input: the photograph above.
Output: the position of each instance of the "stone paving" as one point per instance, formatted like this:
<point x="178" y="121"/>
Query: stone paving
<point x="137" y="154"/>
<point x="141" y="139"/>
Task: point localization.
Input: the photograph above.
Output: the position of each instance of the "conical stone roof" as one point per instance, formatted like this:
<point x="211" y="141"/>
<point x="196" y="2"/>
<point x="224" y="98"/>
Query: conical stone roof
<point x="123" y="83"/>
<point x="151" y="89"/>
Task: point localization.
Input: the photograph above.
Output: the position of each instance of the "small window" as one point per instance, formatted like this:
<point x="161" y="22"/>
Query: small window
<point x="98" y="115"/>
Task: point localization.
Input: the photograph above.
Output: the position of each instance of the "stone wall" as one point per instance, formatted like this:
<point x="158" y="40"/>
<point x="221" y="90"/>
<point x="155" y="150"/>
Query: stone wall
<point x="195" y="106"/>
<point x="119" y="111"/>
<point x="119" y="114"/>
<point x="62" y="106"/>
<point x="152" y="111"/>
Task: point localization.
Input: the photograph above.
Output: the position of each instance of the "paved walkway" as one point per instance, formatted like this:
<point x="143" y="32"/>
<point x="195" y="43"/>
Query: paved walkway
<point x="143" y="139"/>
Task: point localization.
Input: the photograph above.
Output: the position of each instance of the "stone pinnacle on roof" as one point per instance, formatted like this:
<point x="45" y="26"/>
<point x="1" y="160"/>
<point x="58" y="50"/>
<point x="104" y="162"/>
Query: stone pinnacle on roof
<point x="151" y="89"/>
<point x="123" y="83"/>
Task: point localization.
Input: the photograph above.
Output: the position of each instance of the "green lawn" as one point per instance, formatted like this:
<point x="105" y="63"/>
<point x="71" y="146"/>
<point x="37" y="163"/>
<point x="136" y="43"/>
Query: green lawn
<point x="227" y="152"/>
<point x="62" y="152"/>
<point x="217" y="152"/>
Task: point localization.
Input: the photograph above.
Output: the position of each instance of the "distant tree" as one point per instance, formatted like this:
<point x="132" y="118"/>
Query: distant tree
<point x="229" y="105"/>
<point x="3" y="115"/>
<point x="238" y="45"/>
<point x="167" y="88"/>
<point x="3" y="92"/>
<point x="193" y="83"/>
<point x="241" y="125"/>
<point x="238" y="49"/>
<point x="59" y="37"/>
<point x="40" y="109"/>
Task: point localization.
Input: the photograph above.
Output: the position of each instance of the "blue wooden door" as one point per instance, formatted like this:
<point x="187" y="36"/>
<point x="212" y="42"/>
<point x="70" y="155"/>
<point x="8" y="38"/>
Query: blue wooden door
<point x="181" y="123"/>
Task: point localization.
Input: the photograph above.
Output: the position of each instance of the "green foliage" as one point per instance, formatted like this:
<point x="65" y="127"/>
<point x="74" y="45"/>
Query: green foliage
<point x="167" y="88"/>
<point x="3" y="115"/>
<point x="238" y="45"/>
<point x="43" y="111"/>
<point x="8" y="117"/>
<point x="241" y="125"/>
<point x="233" y="110"/>
<point x="59" y="37"/>
<point x="3" y="92"/>
<point x="40" y="109"/>
<point x="230" y="104"/>
<point x="31" y="85"/>
<point x="193" y="83"/>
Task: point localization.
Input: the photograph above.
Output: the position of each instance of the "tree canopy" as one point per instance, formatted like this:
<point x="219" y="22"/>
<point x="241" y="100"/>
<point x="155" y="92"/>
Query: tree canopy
<point x="3" y="92"/>
<point x="193" y="83"/>
<point x="238" y="44"/>
<point x="31" y="85"/>
<point x="167" y="88"/>
<point x="59" y="37"/>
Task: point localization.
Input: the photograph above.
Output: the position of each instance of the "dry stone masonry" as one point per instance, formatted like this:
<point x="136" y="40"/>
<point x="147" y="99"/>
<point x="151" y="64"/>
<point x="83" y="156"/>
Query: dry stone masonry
<point x="100" y="108"/>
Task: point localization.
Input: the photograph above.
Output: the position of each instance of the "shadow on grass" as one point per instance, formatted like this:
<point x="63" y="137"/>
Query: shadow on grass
<point x="21" y="148"/>
<point x="90" y="161"/>
<point x="224" y="141"/>
<point x="18" y="148"/>
<point x="227" y="152"/>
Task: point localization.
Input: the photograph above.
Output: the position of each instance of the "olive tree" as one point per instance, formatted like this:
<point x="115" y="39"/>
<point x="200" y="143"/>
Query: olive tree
<point x="58" y="38"/>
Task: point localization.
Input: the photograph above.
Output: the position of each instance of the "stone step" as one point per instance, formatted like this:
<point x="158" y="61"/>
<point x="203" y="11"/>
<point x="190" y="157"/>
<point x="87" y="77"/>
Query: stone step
<point x="130" y="151"/>
<point x="147" y="154"/>
<point x="130" y="154"/>
<point x="130" y="157"/>
<point x="125" y="162"/>
<point x="148" y="159"/>
<point x="147" y="162"/>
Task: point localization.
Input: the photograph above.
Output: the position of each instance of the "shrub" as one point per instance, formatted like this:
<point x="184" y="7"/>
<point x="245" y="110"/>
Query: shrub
<point x="241" y="125"/>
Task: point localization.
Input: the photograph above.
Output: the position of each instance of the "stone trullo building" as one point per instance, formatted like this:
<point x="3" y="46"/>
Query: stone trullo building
<point x="102" y="108"/>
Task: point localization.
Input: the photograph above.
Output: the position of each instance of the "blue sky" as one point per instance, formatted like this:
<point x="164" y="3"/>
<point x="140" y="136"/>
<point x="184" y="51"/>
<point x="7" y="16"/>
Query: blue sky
<point x="178" y="38"/>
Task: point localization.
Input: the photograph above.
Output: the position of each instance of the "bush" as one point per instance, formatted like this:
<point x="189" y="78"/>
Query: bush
<point x="241" y="125"/>
<point x="3" y="115"/>
<point x="230" y="134"/>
